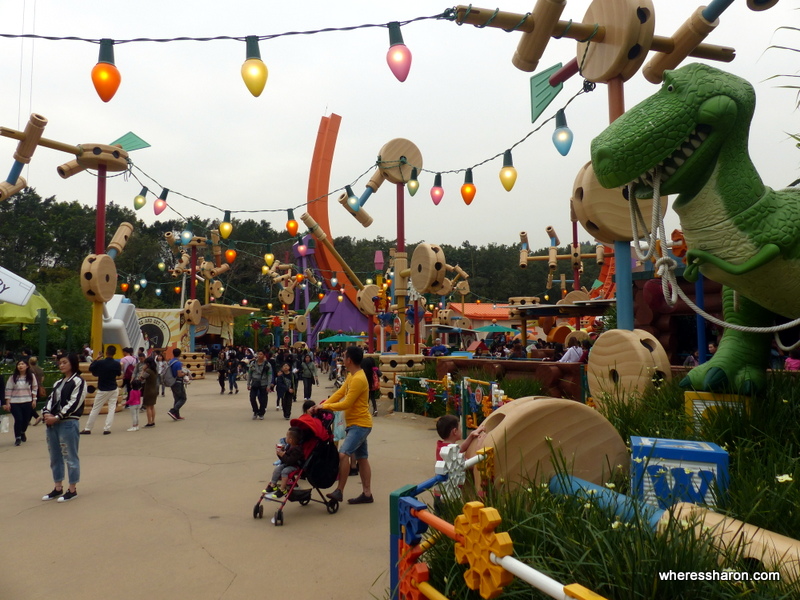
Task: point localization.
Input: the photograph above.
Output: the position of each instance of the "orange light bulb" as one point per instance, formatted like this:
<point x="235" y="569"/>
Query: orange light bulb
<point x="230" y="255"/>
<point x="105" y="75"/>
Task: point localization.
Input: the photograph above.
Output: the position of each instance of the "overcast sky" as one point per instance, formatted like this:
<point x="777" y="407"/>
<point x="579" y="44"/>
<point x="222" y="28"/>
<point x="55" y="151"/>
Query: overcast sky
<point x="463" y="102"/>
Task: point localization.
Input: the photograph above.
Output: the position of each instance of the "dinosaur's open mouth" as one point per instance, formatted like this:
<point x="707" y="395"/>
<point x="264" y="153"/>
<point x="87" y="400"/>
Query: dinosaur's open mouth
<point x="667" y="167"/>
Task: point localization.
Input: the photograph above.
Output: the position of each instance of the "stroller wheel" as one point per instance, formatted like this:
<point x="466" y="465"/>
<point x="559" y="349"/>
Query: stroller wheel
<point x="332" y="506"/>
<point x="304" y="501"/>
<point x="278" y="518"/>
<point x="258" y="511"/>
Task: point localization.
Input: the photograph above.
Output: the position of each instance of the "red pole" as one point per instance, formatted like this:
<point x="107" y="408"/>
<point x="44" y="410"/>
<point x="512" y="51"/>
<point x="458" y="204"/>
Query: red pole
<point x="100" y="219"/>
<point x="193" y="272"/>
<point x="401" y="223"/>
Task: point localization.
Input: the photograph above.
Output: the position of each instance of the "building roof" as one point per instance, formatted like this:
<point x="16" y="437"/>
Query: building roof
<point x="484" y="311"/>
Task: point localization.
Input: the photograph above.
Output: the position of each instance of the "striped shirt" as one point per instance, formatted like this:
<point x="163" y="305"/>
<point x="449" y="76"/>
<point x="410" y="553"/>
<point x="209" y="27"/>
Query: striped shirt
<point x="21" y="391"/>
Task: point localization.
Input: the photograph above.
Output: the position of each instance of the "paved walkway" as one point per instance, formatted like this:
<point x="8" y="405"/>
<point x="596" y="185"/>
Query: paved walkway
<point x="166" y="512"/>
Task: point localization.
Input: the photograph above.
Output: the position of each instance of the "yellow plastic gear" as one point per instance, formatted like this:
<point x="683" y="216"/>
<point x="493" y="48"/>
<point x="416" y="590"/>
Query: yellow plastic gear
<point x="476" y="527"/>
<point x="486" y="466"/>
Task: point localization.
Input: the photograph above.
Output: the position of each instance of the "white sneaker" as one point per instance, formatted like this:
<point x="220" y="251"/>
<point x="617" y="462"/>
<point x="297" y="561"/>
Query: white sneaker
<point x="133" y="429"/>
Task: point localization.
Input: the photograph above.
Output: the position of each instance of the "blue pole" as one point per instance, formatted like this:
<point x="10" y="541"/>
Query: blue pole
<point x="699" y="300"/>
<point x="715" y="8"/>
<point x="622" y="506"/>
<point x="364" y="197"/>
<point x="622" y="256"/>
<point x="16" y="170"/>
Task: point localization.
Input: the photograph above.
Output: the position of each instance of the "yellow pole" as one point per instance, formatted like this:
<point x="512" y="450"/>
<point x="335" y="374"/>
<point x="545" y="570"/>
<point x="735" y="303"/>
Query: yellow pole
<point x="97" y="329"/>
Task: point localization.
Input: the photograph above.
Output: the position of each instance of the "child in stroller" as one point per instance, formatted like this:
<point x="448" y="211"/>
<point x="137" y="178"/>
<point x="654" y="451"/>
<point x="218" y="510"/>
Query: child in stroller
<point x="319" y="465"/>
<point x="290" y="455"/>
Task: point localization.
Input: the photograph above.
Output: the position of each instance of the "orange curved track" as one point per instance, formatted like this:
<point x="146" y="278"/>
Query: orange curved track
<point x="318" y="186"/>
<point x="608" y="289"/>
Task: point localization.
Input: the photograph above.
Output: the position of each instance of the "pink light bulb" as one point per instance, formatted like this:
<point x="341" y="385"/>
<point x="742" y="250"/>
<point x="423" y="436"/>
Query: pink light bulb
<point x="159" y="206"/>
<point x="399" y="56"/>
<point x="437" y="191"/>
<point x="399" y="60"/>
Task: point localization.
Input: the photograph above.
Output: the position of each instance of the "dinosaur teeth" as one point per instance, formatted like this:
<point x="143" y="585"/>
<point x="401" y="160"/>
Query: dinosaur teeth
<point x="669" y="170"/>
<point x="678" y="160"/>
<point x="702" y="135"/>
<point x="695" y="142"/>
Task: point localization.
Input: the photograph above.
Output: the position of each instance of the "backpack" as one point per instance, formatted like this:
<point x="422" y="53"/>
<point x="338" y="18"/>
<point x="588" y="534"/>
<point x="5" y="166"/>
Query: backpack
<point x="375" y="384"/>
<point x="129" y="371"/>
<point x="168" y="377"/>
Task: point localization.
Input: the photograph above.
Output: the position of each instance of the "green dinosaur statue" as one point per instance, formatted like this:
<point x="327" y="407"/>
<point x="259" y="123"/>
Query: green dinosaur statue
<point x="739" y="232"/>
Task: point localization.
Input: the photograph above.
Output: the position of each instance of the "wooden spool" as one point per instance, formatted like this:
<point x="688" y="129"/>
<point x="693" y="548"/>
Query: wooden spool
<point x="428" y="268"/>
<point x="286" y="296"/>
<point x="217" y="288"/>
<point x="527" y="433"/>
<point x="629" y="27"/>
<point x="364" y="298"/>
<point x="114" y="158"/>
<point x="91" y="391"/>
<point x="574" y="296"/>
<point x="463" y="323"/>
<point x="397" y="158"/>
<point x="98" y="277"/>
<point x="604" y="213"/>
<point x="301" y="323"/>
<point x="624" y="362"/>
<point x="205" y="269"/>
<point x="462" y="287"/>
<point x="446" y="288"/>
<point x="523" y="300"/>
<point x="193" y="311"/>
<point x="400" y="363"/>
<point x="194" y="362"/>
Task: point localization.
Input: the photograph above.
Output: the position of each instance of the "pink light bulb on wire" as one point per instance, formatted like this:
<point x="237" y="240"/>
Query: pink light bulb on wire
<point x="399" y="56"/>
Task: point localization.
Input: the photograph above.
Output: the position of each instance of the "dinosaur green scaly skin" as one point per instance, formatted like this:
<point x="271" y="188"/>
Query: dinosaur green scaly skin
<point x="739" y="232"/>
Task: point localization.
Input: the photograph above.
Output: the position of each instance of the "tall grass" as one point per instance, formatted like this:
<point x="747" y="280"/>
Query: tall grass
<point x="575" y="540"/>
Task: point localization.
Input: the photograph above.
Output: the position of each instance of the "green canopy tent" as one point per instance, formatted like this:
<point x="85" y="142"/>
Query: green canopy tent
<point x="341" y="338"/>
<point x="494" y="328"/>
<point x="11" y="314"/>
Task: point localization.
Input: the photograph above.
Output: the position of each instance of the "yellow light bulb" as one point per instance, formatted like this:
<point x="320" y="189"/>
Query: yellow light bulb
<point x="254" y="71"/>
<point x="508" y="174"/>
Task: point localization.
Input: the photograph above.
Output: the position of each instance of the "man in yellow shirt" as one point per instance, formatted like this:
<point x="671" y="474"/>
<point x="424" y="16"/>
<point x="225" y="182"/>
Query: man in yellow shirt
<point x="353" y="399"/>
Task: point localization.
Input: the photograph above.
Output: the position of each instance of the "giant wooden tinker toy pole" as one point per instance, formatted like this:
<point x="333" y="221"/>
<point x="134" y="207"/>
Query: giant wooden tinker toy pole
<point x="614" y="39"/>
<point x="98" y="272"/>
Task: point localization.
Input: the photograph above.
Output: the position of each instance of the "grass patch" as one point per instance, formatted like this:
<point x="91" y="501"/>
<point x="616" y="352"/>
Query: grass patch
<point x="576" y="540"/>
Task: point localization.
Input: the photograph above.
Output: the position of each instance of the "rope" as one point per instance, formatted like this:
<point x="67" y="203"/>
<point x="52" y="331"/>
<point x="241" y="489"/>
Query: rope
<point x="665" y="266"/>
<point x="518" y="25"/>
<point x="489" y="21"/>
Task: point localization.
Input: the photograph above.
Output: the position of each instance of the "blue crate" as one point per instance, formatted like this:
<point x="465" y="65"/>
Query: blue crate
<point x="664" y="472"/>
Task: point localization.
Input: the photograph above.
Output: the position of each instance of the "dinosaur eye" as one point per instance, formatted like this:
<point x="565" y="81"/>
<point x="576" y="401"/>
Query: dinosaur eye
<point x="670" y="88"/>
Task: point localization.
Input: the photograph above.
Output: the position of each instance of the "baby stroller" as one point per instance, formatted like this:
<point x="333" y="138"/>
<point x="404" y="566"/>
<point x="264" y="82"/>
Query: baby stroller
<point x="320" y="468"/>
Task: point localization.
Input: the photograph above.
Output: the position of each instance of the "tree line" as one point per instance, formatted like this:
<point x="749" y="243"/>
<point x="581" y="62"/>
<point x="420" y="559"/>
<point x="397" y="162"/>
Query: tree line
<point x="46" y="241"/>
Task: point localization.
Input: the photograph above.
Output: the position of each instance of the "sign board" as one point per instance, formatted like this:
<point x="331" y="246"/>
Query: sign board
<point x="14" y="289"/>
